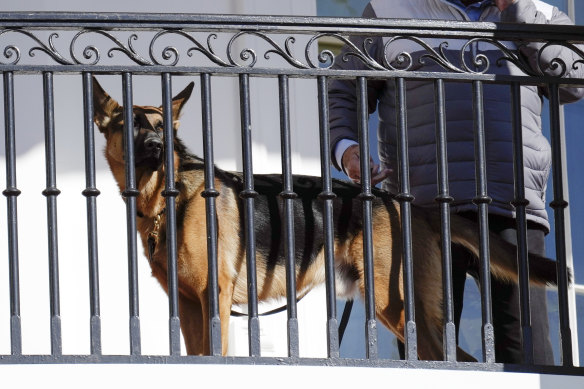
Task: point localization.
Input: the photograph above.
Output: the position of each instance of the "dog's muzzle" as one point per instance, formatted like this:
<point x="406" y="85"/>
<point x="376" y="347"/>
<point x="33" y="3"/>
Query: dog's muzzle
<point x="150" y="154"/>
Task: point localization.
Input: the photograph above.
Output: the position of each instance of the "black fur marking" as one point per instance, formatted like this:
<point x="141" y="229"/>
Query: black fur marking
<point x="308" y="210"/>
<point x="308" y="214"/>
<point x="181" y="211"/>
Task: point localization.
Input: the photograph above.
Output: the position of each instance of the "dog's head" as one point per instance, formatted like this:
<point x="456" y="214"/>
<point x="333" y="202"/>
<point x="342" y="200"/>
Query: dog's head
<point x="148" y="127"/>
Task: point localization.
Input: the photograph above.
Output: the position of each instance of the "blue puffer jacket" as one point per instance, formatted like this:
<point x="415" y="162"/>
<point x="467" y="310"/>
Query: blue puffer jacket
<point x="459" y="110"/>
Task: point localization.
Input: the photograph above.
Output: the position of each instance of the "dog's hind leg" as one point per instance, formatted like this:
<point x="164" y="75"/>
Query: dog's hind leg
<point x="428" y="288"/>
<point x="429" y="331"/>
<point x="427" y="258"/>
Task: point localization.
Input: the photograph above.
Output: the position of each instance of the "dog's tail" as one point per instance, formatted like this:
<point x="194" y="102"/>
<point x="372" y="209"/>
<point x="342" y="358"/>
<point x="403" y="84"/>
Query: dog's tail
<point x="503" y="255"/>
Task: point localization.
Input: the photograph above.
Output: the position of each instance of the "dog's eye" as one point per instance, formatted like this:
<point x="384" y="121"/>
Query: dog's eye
<point x="159" y="126"/>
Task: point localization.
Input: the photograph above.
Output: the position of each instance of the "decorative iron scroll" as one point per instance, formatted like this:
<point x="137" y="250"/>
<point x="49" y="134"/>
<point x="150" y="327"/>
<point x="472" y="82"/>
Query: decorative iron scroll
<point x="92" y="51"/>
<point x="11" y="50"/>
<point x="238" y="51"/>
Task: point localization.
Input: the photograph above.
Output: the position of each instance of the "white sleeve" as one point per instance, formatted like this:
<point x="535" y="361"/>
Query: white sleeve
<point x="340" y="149"/>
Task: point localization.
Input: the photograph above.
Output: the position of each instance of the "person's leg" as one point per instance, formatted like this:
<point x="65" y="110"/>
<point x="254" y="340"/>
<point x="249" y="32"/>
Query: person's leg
<point x="506" y="321"/>
<point x="506" y="311"/>
<point x="543" y="353"/>
<point x="505" y="304"/>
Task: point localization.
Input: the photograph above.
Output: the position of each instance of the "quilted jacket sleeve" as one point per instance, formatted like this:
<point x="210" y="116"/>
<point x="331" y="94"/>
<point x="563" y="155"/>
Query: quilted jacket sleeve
<point x="342" y="92"/>
<point x="526" y="11"/>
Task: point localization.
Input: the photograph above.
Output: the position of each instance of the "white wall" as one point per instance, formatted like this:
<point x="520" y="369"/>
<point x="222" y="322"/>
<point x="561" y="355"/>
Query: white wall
<point x="267" y="377"/>
<point x="111" y="220"/>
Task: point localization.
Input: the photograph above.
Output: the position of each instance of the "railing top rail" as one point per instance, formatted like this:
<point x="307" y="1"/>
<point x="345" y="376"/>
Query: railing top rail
<point x="195" y="22"/>
<point x="247" y="42"/>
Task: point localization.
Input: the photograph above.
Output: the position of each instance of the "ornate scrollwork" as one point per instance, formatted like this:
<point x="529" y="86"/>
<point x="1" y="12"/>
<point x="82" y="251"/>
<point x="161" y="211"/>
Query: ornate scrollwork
<point x="250" y="56"/>
<point x="244" y="49"/>
<point x="49" y="49"/>
<point x="170" y="53"/>
<point x="404" y="60"/>
<point x="556" y="63"/>
<point x="9" y="51"/>
<point x="481" y="63"/>
<point x="327" y="58"/>
<point x="91" y="51"/>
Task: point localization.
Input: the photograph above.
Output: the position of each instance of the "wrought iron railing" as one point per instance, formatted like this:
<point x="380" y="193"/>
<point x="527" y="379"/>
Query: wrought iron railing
<point x="283" y="48"/>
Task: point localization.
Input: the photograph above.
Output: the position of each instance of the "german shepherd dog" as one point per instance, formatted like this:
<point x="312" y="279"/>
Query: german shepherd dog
<point x="308" y="234"/>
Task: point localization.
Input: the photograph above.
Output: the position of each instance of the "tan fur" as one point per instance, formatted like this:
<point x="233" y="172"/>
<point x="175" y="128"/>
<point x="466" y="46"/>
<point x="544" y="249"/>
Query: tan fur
<point x="192" y="248"/>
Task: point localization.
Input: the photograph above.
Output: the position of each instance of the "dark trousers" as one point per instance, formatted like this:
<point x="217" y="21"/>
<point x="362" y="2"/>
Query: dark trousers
<point x="505" y="298"/>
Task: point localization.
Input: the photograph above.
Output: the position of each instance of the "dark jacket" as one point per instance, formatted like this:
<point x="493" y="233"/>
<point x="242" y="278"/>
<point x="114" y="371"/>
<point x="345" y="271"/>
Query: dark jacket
<point x="459" y="109"/>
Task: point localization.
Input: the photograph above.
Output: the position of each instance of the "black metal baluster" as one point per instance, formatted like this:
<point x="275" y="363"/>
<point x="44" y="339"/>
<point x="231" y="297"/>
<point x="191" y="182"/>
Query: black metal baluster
<point x="211" y="213"/>
<point x="444" y="199"/>
<point x="482" y="200"/>
<point x="248" y="195"/>
<point x="51" y="192"/>
<point x="170" y="193"/>
<point x="367" y="197"/>
<point x="91" y="194"/>
<point x="559" y="205"/>
<point x="130" y="193"/>
<point x="288" y="197"/>
<point x="405" y="198"/>
<point x="12" y="192"/>
<point x="520" y="204"/>
<point x="328" y="196"/>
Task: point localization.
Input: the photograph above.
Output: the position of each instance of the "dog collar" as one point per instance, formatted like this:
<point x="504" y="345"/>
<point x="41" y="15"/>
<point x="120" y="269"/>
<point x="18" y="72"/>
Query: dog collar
<point x="154" y="234"/>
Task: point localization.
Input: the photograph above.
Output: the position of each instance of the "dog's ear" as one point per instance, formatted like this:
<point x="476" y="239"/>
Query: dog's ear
<point x="103" y="106"/>
<point x="179" y="101"/>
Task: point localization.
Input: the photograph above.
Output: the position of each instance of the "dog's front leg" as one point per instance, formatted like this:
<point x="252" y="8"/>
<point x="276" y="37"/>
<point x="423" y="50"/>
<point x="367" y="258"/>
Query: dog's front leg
<point x="192" y="323"/>
<point x="225" y="303"/>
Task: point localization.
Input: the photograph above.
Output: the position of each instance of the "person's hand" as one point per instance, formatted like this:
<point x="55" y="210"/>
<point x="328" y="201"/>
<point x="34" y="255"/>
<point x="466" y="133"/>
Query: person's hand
<point x="503" y="4"/>
<point x="352" y="165"/>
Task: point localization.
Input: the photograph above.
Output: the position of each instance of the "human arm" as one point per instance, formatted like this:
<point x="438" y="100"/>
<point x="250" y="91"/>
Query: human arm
<point x="343" y="106"/>
<point x="343" y="126"/>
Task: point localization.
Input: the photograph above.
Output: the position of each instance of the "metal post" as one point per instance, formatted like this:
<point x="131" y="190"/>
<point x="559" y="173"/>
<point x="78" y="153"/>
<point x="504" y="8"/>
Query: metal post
<point x="444" y="199"/>
<point x="559" y="204"/>
<point x="288" y="197"/>
<point x="210" y="193"/>
<point x="91" y="194"/>
<point x="520" y="204"/>
<point x="405" y="198"/>
<point x="130" y="193"/>
<point x="367" y="198"/>
<point x="482" y="200"/>
<point x="327" y="196"/>
<point x="248" y="195"/>
<point x="170" y="193"/>
<point x="51" y="192"/>
<point x="12" y="192"/>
